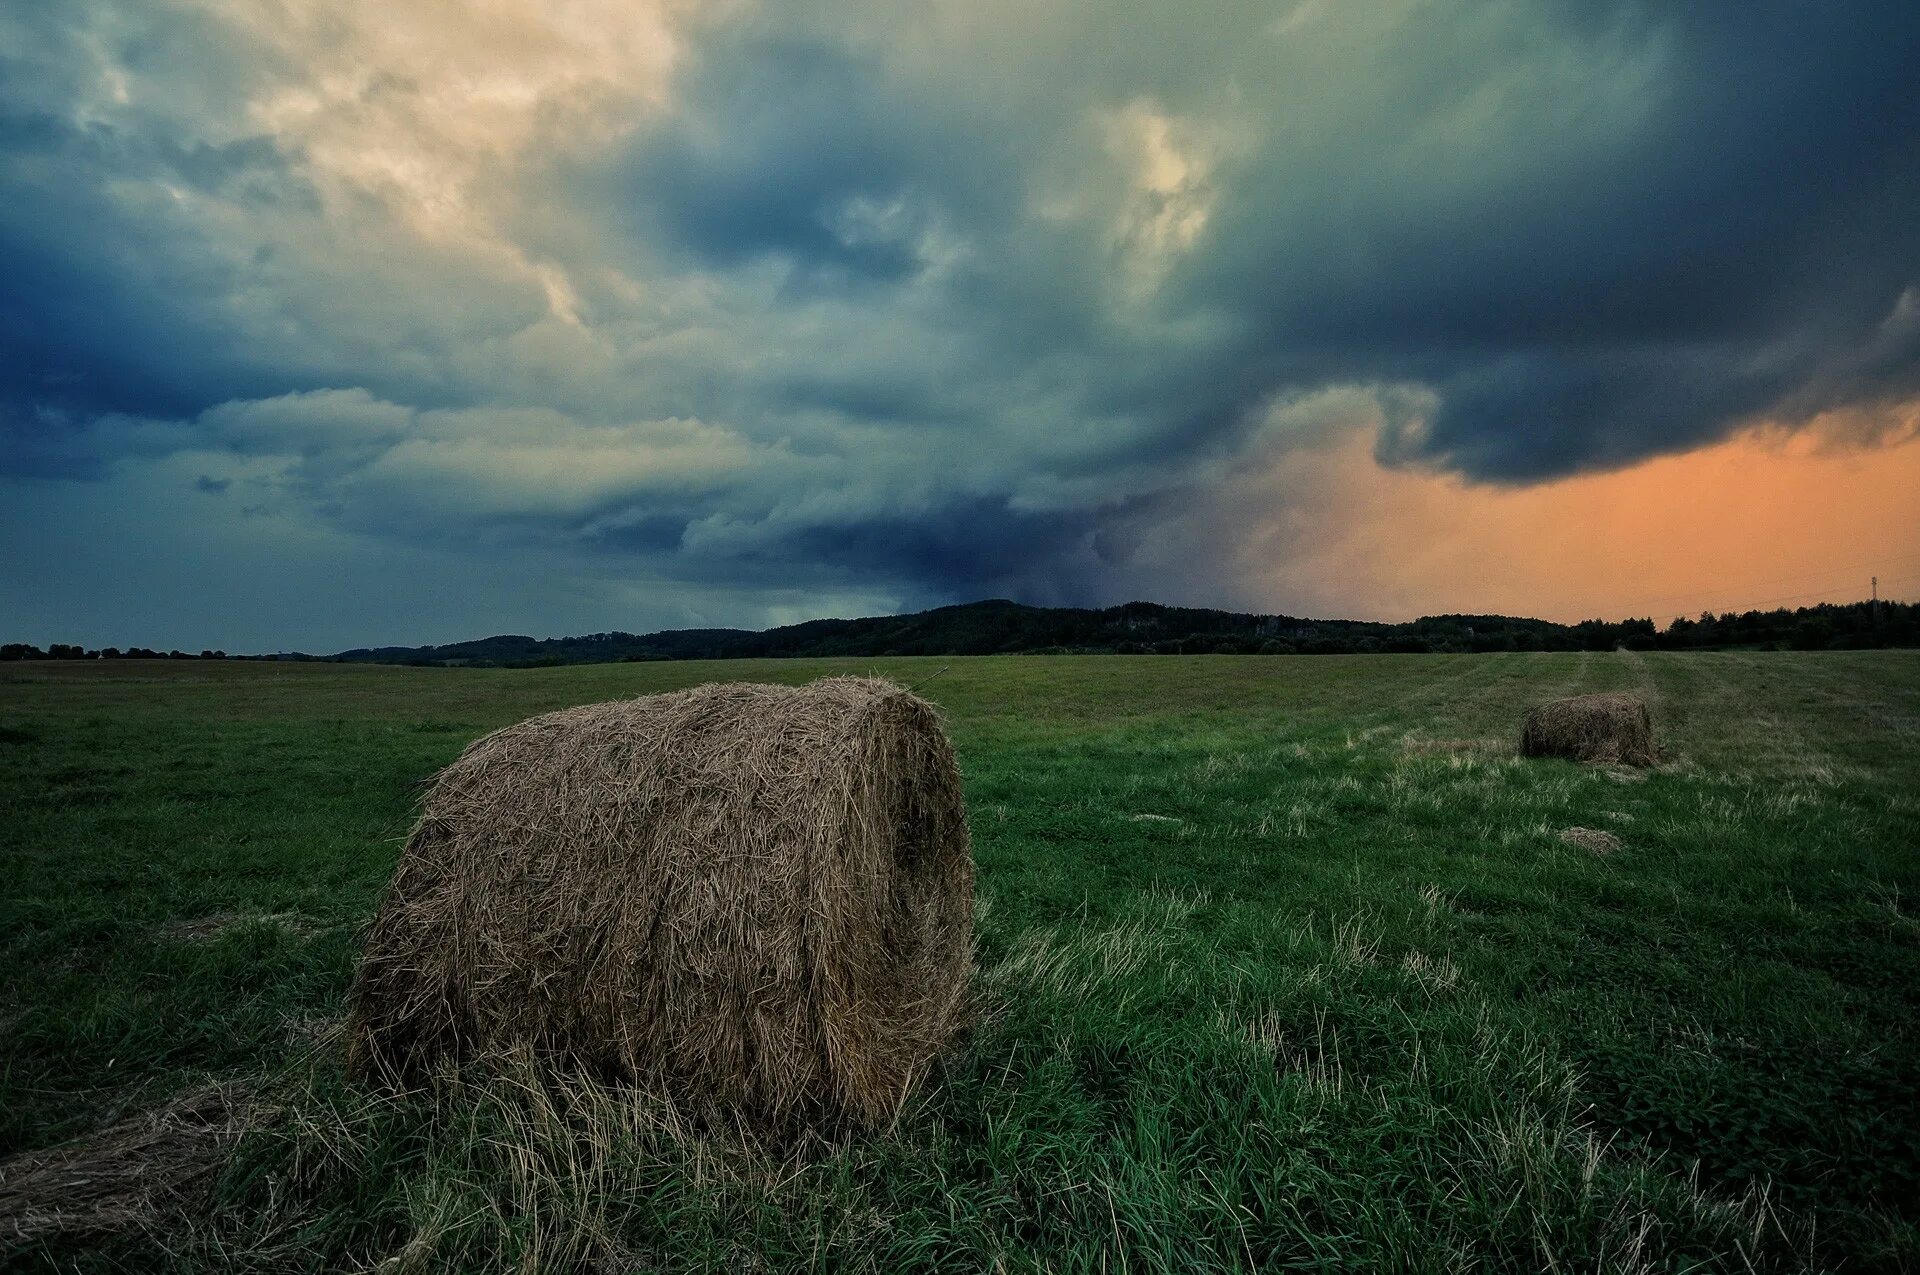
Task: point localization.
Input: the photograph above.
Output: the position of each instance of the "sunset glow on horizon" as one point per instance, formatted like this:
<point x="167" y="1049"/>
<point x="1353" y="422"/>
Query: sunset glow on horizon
<point x="1766" y="519"/>
<point x="329" y="324"/>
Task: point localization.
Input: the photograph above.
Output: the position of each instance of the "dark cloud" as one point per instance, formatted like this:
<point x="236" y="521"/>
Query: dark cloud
<point x="1707" y="249"/>
<point x="99" y="313"/>
<point x="774" y="155"/>
<point x="1625" y="235"/>
<point x="111" y="297"/>
<point x="914" y="309"/>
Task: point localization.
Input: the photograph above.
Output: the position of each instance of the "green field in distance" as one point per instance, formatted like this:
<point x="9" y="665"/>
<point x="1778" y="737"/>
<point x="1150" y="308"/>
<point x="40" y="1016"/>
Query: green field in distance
<point x="1282" y="963"/>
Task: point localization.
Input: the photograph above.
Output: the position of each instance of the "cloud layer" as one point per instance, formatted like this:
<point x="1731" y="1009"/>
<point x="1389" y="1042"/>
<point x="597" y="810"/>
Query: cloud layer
<point x="668" y="313"/>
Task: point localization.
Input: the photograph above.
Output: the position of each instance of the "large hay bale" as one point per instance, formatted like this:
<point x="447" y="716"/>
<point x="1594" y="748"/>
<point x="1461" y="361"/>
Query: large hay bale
<point x="754" y="900"/>
<point x="1608" y="729"/>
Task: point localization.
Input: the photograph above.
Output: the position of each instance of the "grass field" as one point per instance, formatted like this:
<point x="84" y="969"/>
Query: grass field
<point x="1282" y="964"/>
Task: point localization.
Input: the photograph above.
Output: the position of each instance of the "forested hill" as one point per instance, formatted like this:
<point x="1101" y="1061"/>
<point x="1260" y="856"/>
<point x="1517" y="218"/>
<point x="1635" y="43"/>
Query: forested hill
<point x="1138" y="628"/>
<point x="1000" y="627"/>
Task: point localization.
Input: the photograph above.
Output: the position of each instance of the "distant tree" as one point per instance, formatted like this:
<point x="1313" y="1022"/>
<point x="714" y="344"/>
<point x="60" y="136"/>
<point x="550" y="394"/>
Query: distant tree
<point x="1638" y="635"/>
<point x="21" y="651"/>
<point x="1812" y="633"/>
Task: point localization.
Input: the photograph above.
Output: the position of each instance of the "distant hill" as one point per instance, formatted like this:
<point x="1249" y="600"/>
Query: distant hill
<point x="996" y="627"/>
<point x="1000" y="627"/>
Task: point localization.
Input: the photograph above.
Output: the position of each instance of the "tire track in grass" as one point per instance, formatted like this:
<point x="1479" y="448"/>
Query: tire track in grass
<point x="1340" y="752"/>
<point x="1576" y="683"/>
<point x="1750" y="730"/>
<point x="1349" y="728"/>
<point x="1647" y="686"/>
<point x="1523" y="693"/>
<point x="1642" y="676"/>
<point x="1824" y="764"/>
<point x="1881" y="704"/>
<point x="1687" y="722"/>
<point x="1478" y="710"/>
<point x="1465" y="697"/>
<point x="1424" y="706"/>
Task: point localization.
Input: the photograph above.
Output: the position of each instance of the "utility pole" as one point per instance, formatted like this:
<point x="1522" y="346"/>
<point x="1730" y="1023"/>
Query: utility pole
<point x="1876" y="604"/>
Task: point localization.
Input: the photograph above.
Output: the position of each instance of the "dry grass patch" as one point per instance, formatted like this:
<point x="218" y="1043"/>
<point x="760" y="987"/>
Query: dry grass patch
<point x="205" y="929"/>
<point x="139" y="1173"/>
<point x="316" y="1031"/>
<point x="1591" y="839"/>
<point x="1431" y="746"/>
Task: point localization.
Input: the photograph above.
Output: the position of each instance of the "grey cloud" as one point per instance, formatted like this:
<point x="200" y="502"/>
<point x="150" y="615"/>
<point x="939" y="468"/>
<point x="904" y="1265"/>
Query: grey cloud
<point x="925" y="308"/>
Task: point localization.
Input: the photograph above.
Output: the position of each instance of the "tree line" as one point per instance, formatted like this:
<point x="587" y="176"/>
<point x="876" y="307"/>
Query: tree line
<point x="65" y="651"/>
<point x="1145" y="628"/>
<point x="1137" y="628"/>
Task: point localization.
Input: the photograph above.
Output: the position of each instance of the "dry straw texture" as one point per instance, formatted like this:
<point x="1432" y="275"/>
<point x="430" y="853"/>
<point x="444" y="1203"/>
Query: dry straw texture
<point x="1607" y="729"/>
<point x="138" y="1174"/>
<point x="756" y="901"/>
<point x="1592" y="839"/>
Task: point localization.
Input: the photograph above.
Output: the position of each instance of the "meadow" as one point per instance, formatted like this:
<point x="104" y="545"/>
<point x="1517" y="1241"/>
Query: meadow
<point x="1283" y="964"/>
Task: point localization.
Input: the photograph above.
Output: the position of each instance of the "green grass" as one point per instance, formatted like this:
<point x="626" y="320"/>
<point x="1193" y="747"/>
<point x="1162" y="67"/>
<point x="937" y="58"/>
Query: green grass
<point x="1344" y="1002"/>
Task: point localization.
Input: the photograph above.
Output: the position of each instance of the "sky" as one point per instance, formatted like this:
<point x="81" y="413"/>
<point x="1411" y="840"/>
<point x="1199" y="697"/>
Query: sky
<point x="327" y="324"/>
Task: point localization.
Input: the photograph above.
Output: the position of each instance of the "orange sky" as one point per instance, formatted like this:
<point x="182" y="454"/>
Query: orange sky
<point x="1763" y="519"/>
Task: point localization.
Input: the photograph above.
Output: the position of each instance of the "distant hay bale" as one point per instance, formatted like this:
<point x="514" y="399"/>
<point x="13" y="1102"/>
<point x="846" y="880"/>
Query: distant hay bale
<point x="1606" y="729"/>
<point x="756" y="901"/>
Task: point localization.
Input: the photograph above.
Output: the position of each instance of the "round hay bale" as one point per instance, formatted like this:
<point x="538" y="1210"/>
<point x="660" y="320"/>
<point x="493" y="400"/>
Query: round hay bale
<point x="1608" y="729"/>
<point x="754" y="900"/>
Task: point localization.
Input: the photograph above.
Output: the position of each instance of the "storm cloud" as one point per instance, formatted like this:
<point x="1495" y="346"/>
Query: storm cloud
<point x="633" y="315"/>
